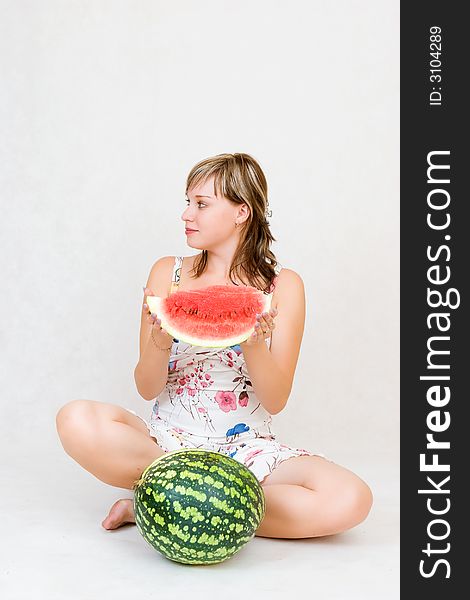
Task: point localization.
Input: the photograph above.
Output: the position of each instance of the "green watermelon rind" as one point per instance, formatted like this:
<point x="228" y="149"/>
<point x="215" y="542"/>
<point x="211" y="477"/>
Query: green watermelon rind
<point x="175" y="544"/>
<point x="156" y="303"/>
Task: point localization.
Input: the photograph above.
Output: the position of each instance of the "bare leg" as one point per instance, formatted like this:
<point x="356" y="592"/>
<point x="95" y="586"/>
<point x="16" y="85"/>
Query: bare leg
<point x="108" y="441"/>
<point x="294" y="511"/>
<point x="310" y="496"/>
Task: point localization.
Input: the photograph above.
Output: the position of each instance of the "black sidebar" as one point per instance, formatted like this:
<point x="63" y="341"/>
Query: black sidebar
<point x="435" y="340"/>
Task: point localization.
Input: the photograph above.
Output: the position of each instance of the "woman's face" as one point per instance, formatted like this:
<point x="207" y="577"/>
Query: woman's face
<point x="212" y="217"/>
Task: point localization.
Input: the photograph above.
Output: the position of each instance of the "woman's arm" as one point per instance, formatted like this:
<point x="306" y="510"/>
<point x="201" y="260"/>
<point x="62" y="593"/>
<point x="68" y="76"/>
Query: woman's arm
<point x="151" y="372"/>
<point x="272" y="370"/>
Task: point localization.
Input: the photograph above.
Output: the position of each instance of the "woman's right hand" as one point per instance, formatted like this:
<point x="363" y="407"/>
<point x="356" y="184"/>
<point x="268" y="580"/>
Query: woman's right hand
<point x="158" y="332"/>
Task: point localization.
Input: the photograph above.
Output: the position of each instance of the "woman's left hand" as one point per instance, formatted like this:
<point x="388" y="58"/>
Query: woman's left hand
<point x="263" y="328"/>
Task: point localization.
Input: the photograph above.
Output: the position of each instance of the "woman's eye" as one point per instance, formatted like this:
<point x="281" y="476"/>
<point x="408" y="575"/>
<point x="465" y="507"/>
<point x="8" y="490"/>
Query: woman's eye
<point x="187" y="201"/>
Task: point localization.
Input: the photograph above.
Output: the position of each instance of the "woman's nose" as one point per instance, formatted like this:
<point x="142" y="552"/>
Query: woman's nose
<point x="187" y="216"/>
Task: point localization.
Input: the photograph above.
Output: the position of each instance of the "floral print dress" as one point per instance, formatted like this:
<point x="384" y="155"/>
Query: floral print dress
<point x="209" y="402"/>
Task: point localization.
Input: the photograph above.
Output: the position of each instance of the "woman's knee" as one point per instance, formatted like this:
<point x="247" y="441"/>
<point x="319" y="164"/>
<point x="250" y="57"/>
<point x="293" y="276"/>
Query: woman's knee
<point x="356" y="501"/>
<point x="74" y="415"/>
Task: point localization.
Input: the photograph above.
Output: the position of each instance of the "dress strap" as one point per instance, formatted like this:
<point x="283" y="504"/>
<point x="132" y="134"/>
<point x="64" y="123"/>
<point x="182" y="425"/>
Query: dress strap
<point x="176" y="275"/>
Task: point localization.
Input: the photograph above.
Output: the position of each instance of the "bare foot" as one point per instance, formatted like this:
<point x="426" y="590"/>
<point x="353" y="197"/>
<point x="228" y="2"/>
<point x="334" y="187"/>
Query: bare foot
<point x="121" y="512"/>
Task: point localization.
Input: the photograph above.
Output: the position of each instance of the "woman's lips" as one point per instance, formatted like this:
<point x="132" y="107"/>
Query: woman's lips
<point x="190" y="230"/>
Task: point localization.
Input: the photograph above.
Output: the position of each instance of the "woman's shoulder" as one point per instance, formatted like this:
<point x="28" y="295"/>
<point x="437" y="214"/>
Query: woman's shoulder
<point x="288" y="274"/>
<point x="172" y="261"/>
<point x="287" y="282"/>
<point x="164" y="261"/>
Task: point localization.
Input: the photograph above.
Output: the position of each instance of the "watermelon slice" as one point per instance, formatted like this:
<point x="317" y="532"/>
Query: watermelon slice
<point x="214" y="316"/>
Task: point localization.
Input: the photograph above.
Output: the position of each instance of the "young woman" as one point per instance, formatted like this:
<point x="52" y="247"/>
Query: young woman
<point x="221" y="399"/>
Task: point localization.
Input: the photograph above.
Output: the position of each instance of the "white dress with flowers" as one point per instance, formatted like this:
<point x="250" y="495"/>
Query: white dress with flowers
<point x="209" y="402"/>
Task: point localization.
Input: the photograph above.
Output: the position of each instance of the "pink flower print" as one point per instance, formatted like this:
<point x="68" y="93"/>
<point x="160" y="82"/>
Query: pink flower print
<point x="243" y="399"/>
<point x="192" y="391"/>
<point x="226" y="401"/>
<point x="230" y="360"/>
<point x="253" y="453"/>
<point x="207" y="381"/>
<point x="178" y="429"/>
<point x="201" y="409"/>
<point x="179" y="390"/>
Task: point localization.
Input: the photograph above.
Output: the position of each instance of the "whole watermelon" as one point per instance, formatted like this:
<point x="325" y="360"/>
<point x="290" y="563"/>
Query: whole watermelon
<point x="198" y="507"/>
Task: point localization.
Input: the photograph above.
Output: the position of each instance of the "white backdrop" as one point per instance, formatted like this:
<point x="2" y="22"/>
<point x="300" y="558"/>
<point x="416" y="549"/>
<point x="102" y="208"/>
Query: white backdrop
<point x="106" y="106"/>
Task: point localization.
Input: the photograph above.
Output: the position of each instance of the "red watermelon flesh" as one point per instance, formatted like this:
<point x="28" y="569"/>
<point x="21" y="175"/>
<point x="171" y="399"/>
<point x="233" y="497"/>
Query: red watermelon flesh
<point x="214" y="316"/>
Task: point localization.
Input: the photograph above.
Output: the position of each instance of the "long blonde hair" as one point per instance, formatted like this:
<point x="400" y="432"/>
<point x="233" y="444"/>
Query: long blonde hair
<point x="240" y="179"/>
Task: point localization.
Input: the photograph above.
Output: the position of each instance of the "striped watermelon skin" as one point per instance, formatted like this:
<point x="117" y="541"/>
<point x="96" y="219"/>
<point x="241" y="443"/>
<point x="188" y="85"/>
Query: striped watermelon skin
<point x="198" y="507"/>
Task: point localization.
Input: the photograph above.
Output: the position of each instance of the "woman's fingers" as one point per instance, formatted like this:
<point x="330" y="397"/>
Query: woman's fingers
<point x="151" y="317"/>
<point x="266" y="320"/>
<point x="263" y="326"/>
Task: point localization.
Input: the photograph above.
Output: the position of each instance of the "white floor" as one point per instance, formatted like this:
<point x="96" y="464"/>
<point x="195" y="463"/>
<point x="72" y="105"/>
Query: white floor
<point x="54" y="547"/>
